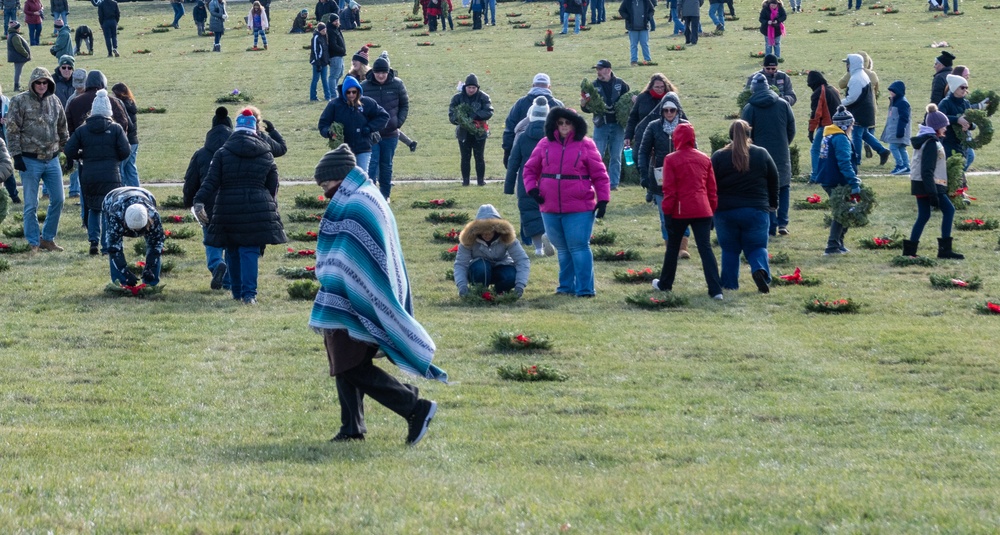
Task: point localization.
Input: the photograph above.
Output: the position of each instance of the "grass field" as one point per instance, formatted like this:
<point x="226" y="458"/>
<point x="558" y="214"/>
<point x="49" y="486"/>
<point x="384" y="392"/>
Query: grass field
<point x="189" y="413"/>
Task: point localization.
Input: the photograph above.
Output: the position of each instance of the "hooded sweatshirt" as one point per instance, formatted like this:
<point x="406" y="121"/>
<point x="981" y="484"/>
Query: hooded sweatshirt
<point x="773" y="128"/>
<point x="897" y="122"/>
<point x="821" y="116"/>
<point x="860" y="97"/>
<point x="37" y="125"/>
<point x="689" y="190"/>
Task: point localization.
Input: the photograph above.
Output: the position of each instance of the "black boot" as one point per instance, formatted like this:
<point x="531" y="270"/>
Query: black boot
<point x="944" y="250"/>
<point x="910" y="247"/>
<point x="480" y="182"/>
<point x="465" y="181"/>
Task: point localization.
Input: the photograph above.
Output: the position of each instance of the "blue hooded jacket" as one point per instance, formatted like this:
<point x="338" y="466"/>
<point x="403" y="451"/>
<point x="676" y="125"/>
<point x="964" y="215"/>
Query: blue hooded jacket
<point x="897" y="122"/>
<point x="359" y="122"/>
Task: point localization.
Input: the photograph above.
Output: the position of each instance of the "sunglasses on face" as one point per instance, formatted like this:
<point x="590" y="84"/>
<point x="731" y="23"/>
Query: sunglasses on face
<point x="770" y="69"/>
<point x="351" y="92"/>
<point x="964" y="88"/>
<point x="564" y="122"/>
<point x="66" y="68"/>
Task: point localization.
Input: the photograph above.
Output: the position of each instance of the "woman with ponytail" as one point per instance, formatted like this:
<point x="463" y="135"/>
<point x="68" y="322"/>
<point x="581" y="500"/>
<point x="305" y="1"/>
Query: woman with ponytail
<point x="747" y="182"/>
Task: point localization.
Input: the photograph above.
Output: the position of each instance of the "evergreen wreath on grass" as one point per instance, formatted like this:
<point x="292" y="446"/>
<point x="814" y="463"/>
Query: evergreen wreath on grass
<point x="173" y="202"/>
<point x="980" y="95"/>
<point x="303" y="289"/>
<point x="852" y="214"/>
<point x="605" y="254"/>
<point x="458" y="218"/>
<point x="519" y="341"/>
<point x="836" y="306"/>
<point x="981" y="135"/>
<point x="795" y="279"/>
<point x="151" y="109"/>
<point x="479" y="295"/>
<point x="178" y="218"/>
<point x="635" y="276"/>
<point x="14" y="248"/>
<point x="885" y="241"/>
<point x="778" y="259"/>
<point x="4" y="265"/>
<point x="989" y="307"/>
<point x="141" y="290"/>
<point x="4" y="204"/>
<point x="413" y="18"/>
<point x="234" y="97"/>
<point x="304" y="236"/>
<point x="656" y="300"/>
<point x="183" y="233"/>
<point x="976" y="224"/>
<point x="950" y="282"/>
<point x="450" y="254"/>
<point x="812" y="202"/>
<point x="449" y="274"/>
<point x="301" y="253"/>
<point x="815" y="30"/>
<point x="434" y="203"/>
<point x="416" y="34"/>
<point x="906" y="261"/>
<point x="415" y="25"/>
<point x="137" y="268"/>
<point x="447" y="237"/>
<point x="603" y="237"/>
<point x="308" y="272"/>
<point x="534" y="372"/>
<point x="304" y="217"/>
<point x="14" y="232"/>
<point x="304" y="200"/>
<point x="170" y="248"/>
<point x="676" y="48"/>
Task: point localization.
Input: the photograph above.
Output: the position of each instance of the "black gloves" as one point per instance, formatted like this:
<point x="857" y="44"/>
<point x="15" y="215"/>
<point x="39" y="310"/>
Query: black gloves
<point x="130" y="279"/>
<point x="519" y="291"/>
<point x="601" y="207"/>
<point x="68" y="166"/>
<point x="375" y="138"/>
<point x="811" y="134"/>
<point x="933" y="199"/>
<point x="506" y="157"/>
<point x="365" y="131"/>
<point x="534" y="194"/>
<point x="19" y="163"/>
<point x="268" y="125"/>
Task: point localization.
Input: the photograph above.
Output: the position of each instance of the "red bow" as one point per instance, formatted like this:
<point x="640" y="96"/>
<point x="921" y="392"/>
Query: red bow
<point x="524" y="340"/>
<point x="453" y="249"/>
<point x="993" y="307"/>
<point x="794" y="278"/>
<point x="977" y="222"/>
<point x="167" y="233"/>
<point x="959" y="282"/>
<point x="134" y="289"/>
<point x="532" y="370"/>
<point x="487" y="296"/>
<point x="881" y="242"/>
<point x="311" y="234"/>
<point x="4" y="246"/>
<point x="310" y="268"/>
<point x="814" y="199"/>
<point x="438" y="202"/>
<point x="175" y="219"/>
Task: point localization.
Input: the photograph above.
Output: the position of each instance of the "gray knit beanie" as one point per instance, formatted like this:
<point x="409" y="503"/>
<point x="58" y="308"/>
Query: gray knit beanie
<point x="335" y="164"/>
<point x="843" y="118"/>
<point x="540" y="110"/>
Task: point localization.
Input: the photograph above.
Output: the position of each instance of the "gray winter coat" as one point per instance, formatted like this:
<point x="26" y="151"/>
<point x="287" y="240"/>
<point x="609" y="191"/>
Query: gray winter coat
<point x="772" y="128"/>
<point x="217" y="16"/>
<point x="689" y="8"/>
<point x="505" y="250"/>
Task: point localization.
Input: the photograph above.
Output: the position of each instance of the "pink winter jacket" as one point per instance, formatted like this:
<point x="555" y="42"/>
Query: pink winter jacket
<point x="569" y="174"/>
<point x="689" y="190"/>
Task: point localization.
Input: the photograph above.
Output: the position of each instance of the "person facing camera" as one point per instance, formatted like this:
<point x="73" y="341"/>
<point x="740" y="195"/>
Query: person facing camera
<point x="490" y="255"/>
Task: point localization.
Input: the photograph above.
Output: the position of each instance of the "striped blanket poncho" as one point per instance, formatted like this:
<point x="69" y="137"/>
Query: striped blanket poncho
<point x="364" y="285"/>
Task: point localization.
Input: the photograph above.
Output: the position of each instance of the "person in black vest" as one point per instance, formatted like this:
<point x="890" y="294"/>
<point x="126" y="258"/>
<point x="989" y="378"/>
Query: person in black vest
<point x="609" y="136"/>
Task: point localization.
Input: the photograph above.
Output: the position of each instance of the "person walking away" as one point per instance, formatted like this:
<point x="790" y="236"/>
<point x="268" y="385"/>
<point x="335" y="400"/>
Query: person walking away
<point x="217" y="23"/>
<point x="772" y="25"/>
<point x="197" y="171"/>
<point x="365" y="303"/>
<point x="129" y="169"/>
<point x="541" y="86"/>
<point x="101" y="145"/>
<point x="131" y="212"/>
<point x="490" y="256"/>
<point x="689" y="200"/>
<point x="609" y="136"/>
<point x="242" y="187"/>
<point x="838" y="167"/>
<point x="772" y="127"/>
<point x="824" y="101"/>
<point x="200" y="15"/>
<point x="860" y="102"/>
<point x="386" y="88"/>
<point x="747" y="185"/>
<point x="36" y="133"/>
<point x="33" y="14"/>
<point x="178" y="6"/>
<point x="471" y="130"/>
<point x="532" y="227"/>
<point x="929" y="184"/>
<point x="566" y="176"/>
<point x="320" y="61"/>
<point x="18" y="53"/>
<point x="361" y="117"/>
<point x="657" y="142"/>
<point x="638" y="15"/>
<point x="717" y="14"/>
<point x="897" y="127"/>
<point x="257" y="20"/>
<point x="336" y="50"/>
<point x="109" y="15"/>
<point x="690" y="12"/>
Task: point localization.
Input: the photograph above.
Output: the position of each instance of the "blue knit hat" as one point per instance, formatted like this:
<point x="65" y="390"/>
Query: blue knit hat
<point x="246" y="121"/>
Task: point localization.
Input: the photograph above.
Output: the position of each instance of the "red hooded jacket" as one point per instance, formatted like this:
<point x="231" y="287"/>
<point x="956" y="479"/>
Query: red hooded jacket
<point x="689" y="190"/>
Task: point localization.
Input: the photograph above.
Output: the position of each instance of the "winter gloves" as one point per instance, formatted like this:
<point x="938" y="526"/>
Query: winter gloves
<point x="535" y="194"/>
<point x="200" y="213"/>
<point x="601" y="207"/>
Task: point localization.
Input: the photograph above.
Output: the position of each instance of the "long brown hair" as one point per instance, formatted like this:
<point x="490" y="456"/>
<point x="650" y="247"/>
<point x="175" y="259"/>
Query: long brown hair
<point x="739" y="145"/>
<point x="123" y="92"/>
<point x="661" y="77"/>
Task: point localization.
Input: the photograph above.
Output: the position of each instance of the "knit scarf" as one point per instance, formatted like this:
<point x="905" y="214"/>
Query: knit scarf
<point x="669" y="126"/>
<point x="771" y="27"/>
<point x="364" y="285"/>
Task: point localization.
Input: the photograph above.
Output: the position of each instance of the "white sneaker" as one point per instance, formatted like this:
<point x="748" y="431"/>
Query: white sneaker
<point x="539" y="252"/>
<point x="656" y="285"/>
<point x="547" y="246"/>
<point x="717" y="297"/>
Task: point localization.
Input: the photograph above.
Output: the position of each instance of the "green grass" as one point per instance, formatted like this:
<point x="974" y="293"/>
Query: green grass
<point x="189" y="413"/>
<point x="709" y="76"/>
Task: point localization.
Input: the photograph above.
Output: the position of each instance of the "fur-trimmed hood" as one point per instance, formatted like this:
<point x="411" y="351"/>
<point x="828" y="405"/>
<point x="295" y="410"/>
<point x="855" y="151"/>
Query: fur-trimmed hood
<point x="487" y="220"/>
<point x="579" y="123"/>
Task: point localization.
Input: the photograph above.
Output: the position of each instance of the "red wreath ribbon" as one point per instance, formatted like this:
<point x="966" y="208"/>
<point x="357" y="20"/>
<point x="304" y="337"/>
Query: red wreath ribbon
<point x="881" y="242"/>
<point x="977" y="222"/>
<point x="175" y="219"/>
<point x="134" y="289"/>
<point x="964" y="191"/>
<point x="532" y="370"/>
<point x="993" y="307"/>
<point x="453" y="249"/>
<point x="438" y="202"/>
<point x="794" y="278"/>
<point x="310" y="268"/>
<point x="311" y="234"/>
<point x="959" y="282"/>
<point x="814" y="199"/>
<point x="4" y="246"/>
<point x="522" y="339"/>
<point x="487" y="296"/>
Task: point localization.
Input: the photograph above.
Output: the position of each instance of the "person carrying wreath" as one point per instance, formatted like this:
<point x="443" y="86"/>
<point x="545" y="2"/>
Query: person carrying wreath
<point x="472" y="130"/>
<point x="361" y="117"/>
<point x="954" y="105"/>
<point x="490" y="255"/>
<point x="838" y="167"/>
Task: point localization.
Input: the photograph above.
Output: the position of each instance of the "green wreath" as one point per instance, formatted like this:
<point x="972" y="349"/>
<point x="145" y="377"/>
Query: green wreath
<point x="852" y="214"/>
<point x="4" y="204"/>
<point x="983" y="125"/>
<point x="979" y="95"/>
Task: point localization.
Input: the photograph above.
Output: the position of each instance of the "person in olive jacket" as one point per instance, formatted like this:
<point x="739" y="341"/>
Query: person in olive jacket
<point x="471" y="137"/>
<point x="242" y="182"/>
<point x="383" y="86"/>
<point x="102" y="145"/>
<point x="361" y="117"/>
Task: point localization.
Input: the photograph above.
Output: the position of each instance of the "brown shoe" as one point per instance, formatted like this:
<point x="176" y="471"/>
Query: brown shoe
<point x="683" y="253"/>
<point x="50" y="245"/>
<point x="34" y="248"/>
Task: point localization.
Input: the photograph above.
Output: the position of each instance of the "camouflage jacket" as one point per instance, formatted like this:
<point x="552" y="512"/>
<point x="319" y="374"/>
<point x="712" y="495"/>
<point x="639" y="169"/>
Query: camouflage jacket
<point x="37" y="125"/>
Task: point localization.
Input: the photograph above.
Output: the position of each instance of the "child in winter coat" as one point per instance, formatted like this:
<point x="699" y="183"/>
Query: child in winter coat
<point x="477" y="7"/>
<point x="489" y="254"/>
<point x="200" y="15"/>
<point x="257" y="21"/>
<point x="837" y="167"/>
<point x="897" y="127"/>
<point x="929" y="183"/>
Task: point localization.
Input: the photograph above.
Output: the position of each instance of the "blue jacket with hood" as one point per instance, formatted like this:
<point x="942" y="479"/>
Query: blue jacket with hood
<point x="897" y="122"/>
<point x="359" y="122"/>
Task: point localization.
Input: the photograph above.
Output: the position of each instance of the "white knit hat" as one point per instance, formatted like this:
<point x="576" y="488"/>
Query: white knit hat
<point x="102" y="104"/>
<point x="136" y="216"/>
<point x="955" y="81"/>
<point x="540" y="110"/>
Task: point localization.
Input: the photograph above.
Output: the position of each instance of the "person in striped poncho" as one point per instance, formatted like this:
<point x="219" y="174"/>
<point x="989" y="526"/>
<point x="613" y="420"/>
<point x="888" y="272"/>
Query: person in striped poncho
<point x="364" y="302"/>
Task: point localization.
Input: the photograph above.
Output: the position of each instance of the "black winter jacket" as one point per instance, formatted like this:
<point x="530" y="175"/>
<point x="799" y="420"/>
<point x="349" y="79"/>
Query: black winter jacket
<point x="133" y="124"/>
<point x="816" y="82"/>
<point x="773" y="129"/>
<point x="243" y="182"/>
<point x="625" y="10"/>
<point x="482" y="110"/>
<point x="101" y="144"/>
<point x="755" y="188"/>
<point x="954" y="108"/>
<point x="198" y="166"/>
<point x="524" y="143"/>
<point x="59" y="6"/>
<point x="644" y="103"/>
<point x="319" y="56"/>
<point x="336" y="47"/>
<point x="392" y="97"/>
<point x="358" y="122"/>
<point x="653" y="148"/>
<point x="107" y="10"/>
<point x="520" y="110"/>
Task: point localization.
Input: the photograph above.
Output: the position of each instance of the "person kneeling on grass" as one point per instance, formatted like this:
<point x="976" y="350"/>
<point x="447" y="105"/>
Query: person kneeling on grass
<point x="132" y="212"/>
<point x="489" y="254"/>
<point x="364" y="302"/>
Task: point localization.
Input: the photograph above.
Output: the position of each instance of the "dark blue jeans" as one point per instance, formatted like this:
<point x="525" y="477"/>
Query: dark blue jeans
<point x="861" y="135"/>
<point x="380" y="166"/>
<point x="924" y="215"/>
<point x="780" y="219"/>
<point x="742" y="230"/>
<point x="110" y="30"/>
<point x="178" y="12"/>
<point x="835" y="242"/>
<point x="243" y="262"/>
<point x="501" y="277"/>
<point x="701" y="228"/>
